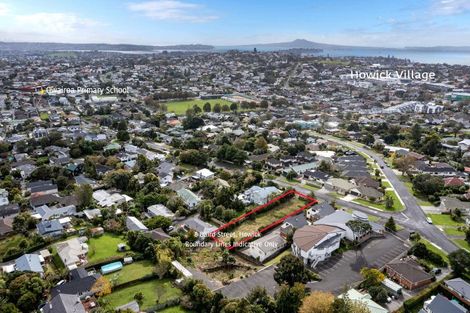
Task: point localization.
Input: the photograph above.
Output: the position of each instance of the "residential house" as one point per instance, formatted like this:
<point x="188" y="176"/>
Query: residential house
<point x="50" y="228"/>
<point x="26" y="263"/>
<point x="159" y="210"/>
<point x="316" y="243"/>
<point x="204" y="174"/>
<point x="266" y="246"/>
<point x="105" y="199"/>
<point x="340" y="220"/>
<point x="300" y="169"/>
<point x="408" y="274"/>
<point x="318" y="211"/>
<point x="440" y="304"/>
<point x="46" y="213"/>
<point x="316" y="176"/>
<point x="339" y="185"/>
<point x="165" y="173"/>
<point x="365" y="299"/>
<point x="448" y="204"/>
<point x="73" y="252"/>
<point x="201" y="228"/>
<point x="64" y="303"/>
<point x="258" y="195"/>
<point x="80" y="284"/>
<point x="134" y="224"/>
<point x="459" y="288"/>
<point x="453" y="182"/>
<point x="188" y="197"/>
<point x="367" y="193"/>
<point x="42" y="187"/>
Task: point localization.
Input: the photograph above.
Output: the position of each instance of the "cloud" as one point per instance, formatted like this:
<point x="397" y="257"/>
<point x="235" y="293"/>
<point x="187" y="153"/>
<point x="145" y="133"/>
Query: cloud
<point x="4" y="9"/>
<point x="55" y="23"/>
<point x="172" y="10"/>
<point x="450" y="7"/>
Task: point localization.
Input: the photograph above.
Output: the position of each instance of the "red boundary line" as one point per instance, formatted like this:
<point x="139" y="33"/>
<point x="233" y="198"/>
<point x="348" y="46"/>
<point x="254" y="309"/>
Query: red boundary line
<point x="212" y="234"/>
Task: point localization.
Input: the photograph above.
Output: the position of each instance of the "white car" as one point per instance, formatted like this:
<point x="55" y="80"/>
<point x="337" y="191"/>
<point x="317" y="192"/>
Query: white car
<point x="429" y="220"/>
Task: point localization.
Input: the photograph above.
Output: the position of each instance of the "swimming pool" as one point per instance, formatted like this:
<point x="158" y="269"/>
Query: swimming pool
<point x="111" y="267"/>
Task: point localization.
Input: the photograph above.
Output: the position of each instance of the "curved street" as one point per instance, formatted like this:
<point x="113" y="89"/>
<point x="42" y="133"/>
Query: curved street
<point x="412" y="218"/>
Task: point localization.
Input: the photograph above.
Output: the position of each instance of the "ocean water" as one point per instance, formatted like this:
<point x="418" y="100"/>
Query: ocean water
<point x="432" y="57"/>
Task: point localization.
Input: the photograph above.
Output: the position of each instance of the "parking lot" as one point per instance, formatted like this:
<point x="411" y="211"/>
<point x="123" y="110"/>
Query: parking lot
<point x="342" y="271"/>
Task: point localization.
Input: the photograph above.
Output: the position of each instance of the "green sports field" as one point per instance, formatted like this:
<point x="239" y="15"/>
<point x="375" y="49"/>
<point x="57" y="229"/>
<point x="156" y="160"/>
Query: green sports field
<point x="180" y="107"/>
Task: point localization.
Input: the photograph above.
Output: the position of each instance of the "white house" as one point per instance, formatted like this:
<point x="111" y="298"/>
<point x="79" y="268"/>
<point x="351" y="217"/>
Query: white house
<point x="316" y="243"/>
<point x="204" y="174"/>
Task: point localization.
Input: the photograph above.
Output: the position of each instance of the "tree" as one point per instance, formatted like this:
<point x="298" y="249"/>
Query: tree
<point x="291" y="270"/>
<point x="289" y="299"/>
<point x="158" y="221"/>
<point x="84" y="195"/>
<point x="416" y="134"/>
<point x="259" y="296"/>
<point x="217" y="108"/>
<point x="345" y="305"/>
<point x="359" y="227"/>
<point x="163" y="257"/>
<point x="261" y="144"/>
<point x="431" y="145"/>
<point x="101" y="287"/>
<point x="317" y="302"/>
<point x="23" y="222"/>
<point x="206" y="107"/>
<point x="390" y="225"/>
<point x="193" y="157"/>
<point x="426" y="184"/>
<point x="291" y="175"/>
<point x="234" y="106"/>
<point x="123" y="135"/>
<point x="371" y="277"/>
<point x="379" y="294"/>
<point x="388" y="202"/>
<point x="404" y="163"/>
<point x="460" y="262"/>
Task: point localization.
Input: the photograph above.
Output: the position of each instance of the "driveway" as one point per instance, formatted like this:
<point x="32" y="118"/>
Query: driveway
<point x="343" y="270"/>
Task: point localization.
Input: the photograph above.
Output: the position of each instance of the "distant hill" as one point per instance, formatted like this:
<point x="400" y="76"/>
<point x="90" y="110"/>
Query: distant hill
<point x="306" y="44"/>
<point x="52" y="46"/>
<point x="296" y="44"/>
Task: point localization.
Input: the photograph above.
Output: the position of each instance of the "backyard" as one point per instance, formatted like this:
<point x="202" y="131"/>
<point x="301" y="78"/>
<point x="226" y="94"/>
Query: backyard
<point x="211" y="256"/>
<point x="153" y="291"/>
<point x="103" y="247"/>
<point x="131" y="272"/>
<point x="263" y="219"/>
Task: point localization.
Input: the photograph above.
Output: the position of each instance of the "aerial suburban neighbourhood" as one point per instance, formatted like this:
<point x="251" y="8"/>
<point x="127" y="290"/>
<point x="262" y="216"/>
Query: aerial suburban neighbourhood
<point x="270" y="178"/>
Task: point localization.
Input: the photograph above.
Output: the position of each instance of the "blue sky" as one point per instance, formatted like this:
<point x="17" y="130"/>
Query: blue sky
<point x="388" y="23"/>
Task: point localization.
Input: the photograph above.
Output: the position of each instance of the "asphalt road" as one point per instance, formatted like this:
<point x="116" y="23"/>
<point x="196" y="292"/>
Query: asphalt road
<point x="413" y="216"/>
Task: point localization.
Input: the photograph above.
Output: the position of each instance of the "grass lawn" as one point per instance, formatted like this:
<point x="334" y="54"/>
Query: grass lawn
<point x="180" y="107"/>
<point x="262" y="219"/>
<point x="435" y="249"/>
<point x="103" y="247"/>
<point x="10" y="242"/>
<point x="131" y="272"/>
<point x="420" y="199"/>
<point x="444" y="220"/>
<point x="153" y="290"/>
<point x="386" y="184"/>
<point x="397" y="206"/>
<point x="278" y="258"/>
<point x="174" y="309"/>
<point x="453" y="231"/>
<point x="462" y="244"/>
<point x="43" y="116"/>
